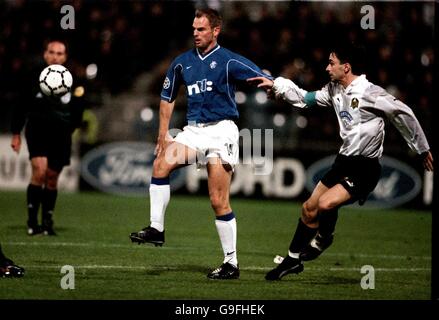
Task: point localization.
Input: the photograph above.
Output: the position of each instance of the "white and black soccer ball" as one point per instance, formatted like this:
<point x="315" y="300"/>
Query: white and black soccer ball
<point x="55" y="80"/>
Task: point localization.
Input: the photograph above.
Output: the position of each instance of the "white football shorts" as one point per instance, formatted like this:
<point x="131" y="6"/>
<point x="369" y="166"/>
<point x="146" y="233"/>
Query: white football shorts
<point x="215" y="139"/>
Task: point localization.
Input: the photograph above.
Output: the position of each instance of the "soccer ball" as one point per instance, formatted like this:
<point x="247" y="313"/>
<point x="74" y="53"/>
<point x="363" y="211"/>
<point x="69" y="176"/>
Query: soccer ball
<point x="55" y="80"/>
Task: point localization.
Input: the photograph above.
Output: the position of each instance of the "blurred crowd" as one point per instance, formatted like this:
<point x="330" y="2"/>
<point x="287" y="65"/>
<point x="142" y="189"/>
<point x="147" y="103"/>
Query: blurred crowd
<point x="126" y="39"/>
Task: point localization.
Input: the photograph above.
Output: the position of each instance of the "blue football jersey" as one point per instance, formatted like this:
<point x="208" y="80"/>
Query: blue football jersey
<point x="210" y="82"/>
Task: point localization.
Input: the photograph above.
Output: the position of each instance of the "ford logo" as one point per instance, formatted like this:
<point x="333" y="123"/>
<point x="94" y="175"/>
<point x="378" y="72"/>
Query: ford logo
<point x="124" y="168"/>
<point x="399" y="183"/>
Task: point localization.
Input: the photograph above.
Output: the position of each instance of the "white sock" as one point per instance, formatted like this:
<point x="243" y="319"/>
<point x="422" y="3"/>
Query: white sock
<point x="293" y="255"/>
<point x="227" y="233"/>
<point x="159" y="196"/>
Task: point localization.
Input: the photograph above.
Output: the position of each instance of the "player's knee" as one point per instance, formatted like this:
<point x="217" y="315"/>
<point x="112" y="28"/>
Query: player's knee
<point x="309" y="206"/>
<point x="326" y="204"/>
<point x="38" y="176"/>
<point x="161" y="168"/>
<point x="51" y="182"/>
<point x="218" y="202"/>
<point x="309" y="211"/>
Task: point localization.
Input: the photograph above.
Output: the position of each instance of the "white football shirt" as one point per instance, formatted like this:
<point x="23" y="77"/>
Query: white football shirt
<point x="360" y="108"/>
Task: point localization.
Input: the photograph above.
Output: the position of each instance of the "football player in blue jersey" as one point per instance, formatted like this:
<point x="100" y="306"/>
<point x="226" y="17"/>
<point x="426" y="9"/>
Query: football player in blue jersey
<point x="210" y="74"/>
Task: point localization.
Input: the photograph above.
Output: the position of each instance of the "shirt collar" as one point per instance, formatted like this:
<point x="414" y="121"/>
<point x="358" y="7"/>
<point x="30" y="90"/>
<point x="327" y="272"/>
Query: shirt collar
<point x="357" y="80"/>
<point x="202" y="57"/>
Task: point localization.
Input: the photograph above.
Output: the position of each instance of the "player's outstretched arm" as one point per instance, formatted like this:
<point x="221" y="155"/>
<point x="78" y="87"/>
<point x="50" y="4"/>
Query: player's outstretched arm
<point x="261" y="82"/>
<point x="264" y="83"/>
<point x="282" y="88"/>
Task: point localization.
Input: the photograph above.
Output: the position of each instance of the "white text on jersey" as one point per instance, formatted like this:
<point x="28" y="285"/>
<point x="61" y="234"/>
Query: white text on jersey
<point x="199" y="86"/>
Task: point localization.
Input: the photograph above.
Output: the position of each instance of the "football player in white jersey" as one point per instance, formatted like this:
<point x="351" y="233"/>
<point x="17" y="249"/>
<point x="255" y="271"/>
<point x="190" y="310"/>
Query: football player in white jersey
<point x="360" y="107"/>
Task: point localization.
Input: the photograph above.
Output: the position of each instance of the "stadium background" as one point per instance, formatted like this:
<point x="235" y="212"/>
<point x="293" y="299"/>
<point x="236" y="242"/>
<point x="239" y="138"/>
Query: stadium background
<point x="121" y="49"/>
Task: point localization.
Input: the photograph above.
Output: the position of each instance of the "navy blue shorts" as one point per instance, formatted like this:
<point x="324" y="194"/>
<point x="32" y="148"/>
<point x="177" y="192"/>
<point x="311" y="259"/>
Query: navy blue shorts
<point x="44" y="140"/>
<point x="357" y="174"/>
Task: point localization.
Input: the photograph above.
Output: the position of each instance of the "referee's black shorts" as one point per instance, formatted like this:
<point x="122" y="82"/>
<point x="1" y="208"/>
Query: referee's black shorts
<point x="357" y="174"/>
<point x="44" y="140"/>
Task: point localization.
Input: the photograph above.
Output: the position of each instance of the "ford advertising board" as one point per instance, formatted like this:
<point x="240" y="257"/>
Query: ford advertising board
<point x="124" y="168"/>
<point x="399" y="183"/>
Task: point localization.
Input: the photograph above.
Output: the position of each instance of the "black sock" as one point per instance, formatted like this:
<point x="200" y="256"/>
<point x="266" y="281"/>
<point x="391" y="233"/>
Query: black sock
<point x="48" y="204"/>
<point x="302" y="237"/>
<point x="327" y="222"/>
<point x="34" y="195"/>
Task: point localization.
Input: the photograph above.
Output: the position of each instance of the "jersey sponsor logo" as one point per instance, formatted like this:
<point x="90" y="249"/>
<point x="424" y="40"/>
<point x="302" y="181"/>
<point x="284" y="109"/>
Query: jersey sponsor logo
<point x="347" y="119"/>
<point x="199" y="87"/>
<point x="166" y="83"/>
<point x="347" y="115"/>
<point x="399" y="183"/>
<point x="124" y="168"/>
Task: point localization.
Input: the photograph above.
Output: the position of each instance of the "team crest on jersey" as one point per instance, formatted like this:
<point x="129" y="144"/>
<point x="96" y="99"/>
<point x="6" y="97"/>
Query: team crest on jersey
<point x="213" y="65"/>
<point x="354" y="103"/>
<point x="166" y="83"/>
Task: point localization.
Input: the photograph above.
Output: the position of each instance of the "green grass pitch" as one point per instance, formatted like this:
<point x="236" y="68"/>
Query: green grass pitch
<point x="93" y="231"/>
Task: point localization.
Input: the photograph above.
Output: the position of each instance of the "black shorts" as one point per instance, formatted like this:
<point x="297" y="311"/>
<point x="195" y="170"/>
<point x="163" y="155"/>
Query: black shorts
<point x="43" y="140"/>
<point x="357" y="174"/>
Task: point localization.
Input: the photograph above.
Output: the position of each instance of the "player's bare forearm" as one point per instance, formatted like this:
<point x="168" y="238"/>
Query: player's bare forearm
<point x="166" y="109"/>
<point x="265" y="84"/>
<point x="261" y="82"/>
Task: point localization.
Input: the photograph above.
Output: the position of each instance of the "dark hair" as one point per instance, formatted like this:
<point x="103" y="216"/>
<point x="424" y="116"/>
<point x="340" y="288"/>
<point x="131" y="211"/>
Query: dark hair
<point x="351" y="53"/>
<point x="49" y="41"/>
<point x="212" y="15"/>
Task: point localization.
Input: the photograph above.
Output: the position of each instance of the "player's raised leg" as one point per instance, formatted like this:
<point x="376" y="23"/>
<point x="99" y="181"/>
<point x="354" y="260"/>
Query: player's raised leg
<point x="219" y="179"/>
<point x="176" y="155"/>
<point x="328" y="206"/>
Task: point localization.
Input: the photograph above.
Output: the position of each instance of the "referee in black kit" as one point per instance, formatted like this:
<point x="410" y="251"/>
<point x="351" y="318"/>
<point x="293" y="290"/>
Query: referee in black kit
<point x="50" y="123"/>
